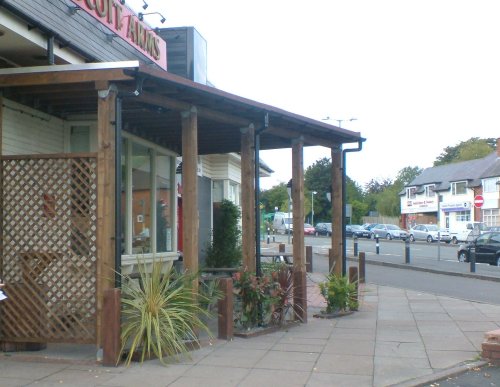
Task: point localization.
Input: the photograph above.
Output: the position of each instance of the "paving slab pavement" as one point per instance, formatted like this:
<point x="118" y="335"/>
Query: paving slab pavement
<point x="398" y="337"/>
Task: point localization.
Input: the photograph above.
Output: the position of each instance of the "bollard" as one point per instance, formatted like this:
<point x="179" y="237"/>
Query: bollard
<point x="472" y="259"/>
<point x="268" y="236"/>
<point x="309" y="259"/>
<point x="111" y="327"/>
<point x="355" y="239"/>
<point x="281" y="248"/>
<point x="362" y="266"/>
<point x="274" y="236"/>
<point x="225" y="307"/>
<point x="377" y="246"/>
<point x="353" y="279"/>
<point x="407" y="250"/>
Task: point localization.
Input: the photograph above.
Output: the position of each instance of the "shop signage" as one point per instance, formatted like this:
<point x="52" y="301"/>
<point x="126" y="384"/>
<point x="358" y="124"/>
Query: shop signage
<point x="125" y="24"/>
<point x="416" y="206"/>
<point x="456" y="206"/>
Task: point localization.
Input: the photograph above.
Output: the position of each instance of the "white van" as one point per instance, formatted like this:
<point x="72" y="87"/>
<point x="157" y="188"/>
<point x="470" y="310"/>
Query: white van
<point x="283" y="223"/>
<point x="460" y="231"/>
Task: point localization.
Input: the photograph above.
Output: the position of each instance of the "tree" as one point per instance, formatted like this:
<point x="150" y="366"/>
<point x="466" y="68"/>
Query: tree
<point x="318" y="178"/>
<point x="473" y="148"/>
<point x="375" y="186"/>
<point x="384" y="196"/>
<point x="225" y="248"/>
<point x="276" y="196"/>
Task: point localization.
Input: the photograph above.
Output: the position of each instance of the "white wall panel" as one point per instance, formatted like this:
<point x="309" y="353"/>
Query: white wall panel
<point x="28" y="131"/>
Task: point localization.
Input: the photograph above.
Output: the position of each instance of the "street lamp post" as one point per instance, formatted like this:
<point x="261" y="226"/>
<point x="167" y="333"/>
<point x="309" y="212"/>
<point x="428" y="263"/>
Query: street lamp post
<point x="312" y="207"/>
<point x="339" y="120"/>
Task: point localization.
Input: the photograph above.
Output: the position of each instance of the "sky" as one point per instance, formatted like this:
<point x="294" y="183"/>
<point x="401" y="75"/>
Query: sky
<point x="417" y="76"/>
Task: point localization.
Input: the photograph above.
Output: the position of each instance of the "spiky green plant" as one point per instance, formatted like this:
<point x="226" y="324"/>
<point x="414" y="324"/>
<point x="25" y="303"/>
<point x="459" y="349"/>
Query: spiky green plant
<point x="161" y="314"/>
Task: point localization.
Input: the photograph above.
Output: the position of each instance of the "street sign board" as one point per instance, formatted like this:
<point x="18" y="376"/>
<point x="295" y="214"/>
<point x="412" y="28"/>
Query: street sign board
<point x="478" y="201"/>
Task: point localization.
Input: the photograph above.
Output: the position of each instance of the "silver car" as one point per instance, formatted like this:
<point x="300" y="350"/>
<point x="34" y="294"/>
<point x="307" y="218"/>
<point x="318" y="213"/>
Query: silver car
<point x="430" y="233"/>
<point x="388" y="231"/>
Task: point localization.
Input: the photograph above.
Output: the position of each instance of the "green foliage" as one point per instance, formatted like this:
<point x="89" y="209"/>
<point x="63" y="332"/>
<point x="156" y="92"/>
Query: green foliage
<point x="388" y="202"/>
<point x="225" y="248"/>
<point x="376" y="187"/>
<point x="160" y="311"/>
<point x="318" y="177"/>
<point x="256" y="294"/>
<point x="275" y="197"/>
<point x="406" y="175"/>
<point x="471" y="149"/>
<point x="359" y="209"/>
<point x="340" y="294"/>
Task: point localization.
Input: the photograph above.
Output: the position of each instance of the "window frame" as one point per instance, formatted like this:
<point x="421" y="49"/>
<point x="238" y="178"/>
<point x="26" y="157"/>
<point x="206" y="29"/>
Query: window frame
<point x="155" y="150"/>
<point x="456" y="184"/>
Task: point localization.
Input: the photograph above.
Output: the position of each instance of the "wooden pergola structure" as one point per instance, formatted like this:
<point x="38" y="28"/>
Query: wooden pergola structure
<point x="191" y="119"/>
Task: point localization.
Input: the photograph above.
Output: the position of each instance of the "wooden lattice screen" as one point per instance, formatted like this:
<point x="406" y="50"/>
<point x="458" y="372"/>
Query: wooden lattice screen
<point x="49" y="249"/>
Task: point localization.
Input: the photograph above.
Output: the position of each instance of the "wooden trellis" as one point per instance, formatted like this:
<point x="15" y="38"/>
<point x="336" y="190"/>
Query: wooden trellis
<point x="49" y="248"/>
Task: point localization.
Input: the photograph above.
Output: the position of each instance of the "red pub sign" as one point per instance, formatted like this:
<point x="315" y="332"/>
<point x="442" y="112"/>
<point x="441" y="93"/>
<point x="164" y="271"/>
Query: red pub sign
<point x="124" y="23"/>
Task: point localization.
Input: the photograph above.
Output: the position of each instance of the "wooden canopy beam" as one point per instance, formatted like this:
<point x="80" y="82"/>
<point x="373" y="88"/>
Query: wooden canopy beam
<point x="308" y="139"/>
<point x="171" y="103"/>
<point x="62" y="77"/>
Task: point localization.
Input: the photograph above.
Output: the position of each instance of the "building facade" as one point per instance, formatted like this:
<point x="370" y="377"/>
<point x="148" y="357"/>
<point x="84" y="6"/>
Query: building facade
<point x="455" y="194"/>
<point x="92" y="124"/>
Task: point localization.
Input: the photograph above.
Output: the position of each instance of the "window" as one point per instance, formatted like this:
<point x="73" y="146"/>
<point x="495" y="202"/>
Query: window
<point x="148" y="198"/>
<point x="429" y="191"/>
<point x="411" y="192"/>
<point x="491" y="217"/>
<point x="462" y="216"/>
<point x="491" y="185"/>
<point x="459" y="188"/>
<point x="233" y="193"/>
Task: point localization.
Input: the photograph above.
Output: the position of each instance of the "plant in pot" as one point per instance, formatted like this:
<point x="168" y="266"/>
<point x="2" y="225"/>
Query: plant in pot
<point x="341" y="295"/>
<point x="161" y="314"/>
<point x="265" y="301"/>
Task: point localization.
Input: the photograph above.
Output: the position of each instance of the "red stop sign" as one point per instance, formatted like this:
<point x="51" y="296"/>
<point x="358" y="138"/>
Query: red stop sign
<point x="478" y="201"/>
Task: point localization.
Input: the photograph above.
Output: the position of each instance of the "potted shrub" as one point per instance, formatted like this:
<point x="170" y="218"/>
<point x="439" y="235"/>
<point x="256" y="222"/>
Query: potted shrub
<point x="341" y="295"/>
<point x="161" y="315"/>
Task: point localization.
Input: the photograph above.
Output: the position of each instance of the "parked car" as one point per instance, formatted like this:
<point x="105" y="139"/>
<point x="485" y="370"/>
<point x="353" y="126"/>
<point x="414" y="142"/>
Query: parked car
<point x="323" y="229"/>
<point x="368" y="226"/>
<point x="352" y="230"/>
<point x="309" y="229"/>
<point x="429" y="233"/>
<point x="485" y="246"/>
<point x="388" y="231"/>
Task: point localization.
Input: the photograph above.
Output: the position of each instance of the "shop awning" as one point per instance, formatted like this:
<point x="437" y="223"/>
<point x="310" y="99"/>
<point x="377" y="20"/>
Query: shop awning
<point x="70" y="91"/>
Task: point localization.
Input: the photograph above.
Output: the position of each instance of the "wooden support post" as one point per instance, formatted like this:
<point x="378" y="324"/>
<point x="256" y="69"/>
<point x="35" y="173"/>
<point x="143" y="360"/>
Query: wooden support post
<point x="190" y="215"/>
<point x="362" y="267"/>
<point x="299" y="259"/>
<point x="111" y="342"/>
<point x="309" y="259"/>
<point x="248" y="198"/>
<point x="106" y="118"/>
<point x="225" y="308"/>
<point x="337" y="242"/>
